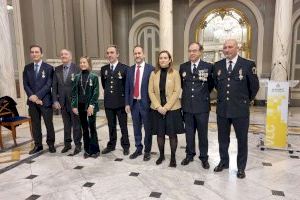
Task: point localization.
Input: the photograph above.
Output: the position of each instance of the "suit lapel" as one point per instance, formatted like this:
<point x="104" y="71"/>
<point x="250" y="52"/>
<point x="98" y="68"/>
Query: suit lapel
<point x="237" y="66"/>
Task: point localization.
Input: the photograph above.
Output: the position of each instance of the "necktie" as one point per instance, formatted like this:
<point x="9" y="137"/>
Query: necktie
<point x="194" y="69"/>
<point x="136" y="92"/>
<point x="36" y="70"/>
<point x="65" y="73"/>
<point x="230" y="67"/>
<point x="111" y="68"/>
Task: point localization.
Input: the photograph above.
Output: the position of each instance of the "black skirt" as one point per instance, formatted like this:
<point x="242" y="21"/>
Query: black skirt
<point x="169" y="124"/>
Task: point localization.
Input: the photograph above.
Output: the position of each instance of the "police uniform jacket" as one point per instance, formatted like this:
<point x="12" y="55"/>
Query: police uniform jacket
<point x="235" y="90"/>
<point x="196" y="88"/>
<point x="113" y="84"/>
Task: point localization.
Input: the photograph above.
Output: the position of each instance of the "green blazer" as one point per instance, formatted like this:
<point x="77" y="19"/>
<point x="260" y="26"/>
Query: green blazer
<point x="92" y="91"/>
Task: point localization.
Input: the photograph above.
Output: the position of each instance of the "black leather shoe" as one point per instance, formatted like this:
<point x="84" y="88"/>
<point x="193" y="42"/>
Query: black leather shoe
<point x="107" y="150"/>
<point x="95" y="155"/>
<point x="147" y="156"/>
<point x="135" y="154"/>
<point x="173" y="163"/>
<point x="205" y="164"/>
<point x="66" y="149"/>
<point x="220" y="167"/>
<point x="36" y="149"/>
<point x="52" y="149"/>
<point x="241" y="174"/>
<point x="186" y="161"/>
<point x="77" y="150"/>
<point x="86" y="155"/>
<point x="160" y="159"/>
<point x="126" y="152"/>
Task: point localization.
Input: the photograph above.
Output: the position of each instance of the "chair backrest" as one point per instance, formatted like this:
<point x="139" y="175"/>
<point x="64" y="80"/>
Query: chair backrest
<point x="8" y="107"/>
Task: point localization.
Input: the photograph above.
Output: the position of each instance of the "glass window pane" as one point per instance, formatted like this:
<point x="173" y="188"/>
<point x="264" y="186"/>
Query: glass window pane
<point x="297" y="54"/>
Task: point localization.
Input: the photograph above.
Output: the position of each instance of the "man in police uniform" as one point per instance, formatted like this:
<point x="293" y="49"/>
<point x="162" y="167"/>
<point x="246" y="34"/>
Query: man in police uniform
<point x="237" y="85"/>
<point x="113" y="79"/>
<point x="197" y="83"/>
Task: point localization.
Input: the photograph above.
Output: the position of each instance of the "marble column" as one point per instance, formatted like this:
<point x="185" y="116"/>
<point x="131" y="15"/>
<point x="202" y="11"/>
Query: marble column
<point x="7" y="79"/>
<point x="166" y="25"/>
<point x="282" y="40"/>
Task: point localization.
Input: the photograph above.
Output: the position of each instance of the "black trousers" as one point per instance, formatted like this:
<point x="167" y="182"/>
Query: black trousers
<point x="199" y="122"/>
<point x="88" y="125"/>
<point x="111" y="115"/>
<point x="70" y="121"/>
<point x="35" y="112"/>
<point x="241" y="126"/>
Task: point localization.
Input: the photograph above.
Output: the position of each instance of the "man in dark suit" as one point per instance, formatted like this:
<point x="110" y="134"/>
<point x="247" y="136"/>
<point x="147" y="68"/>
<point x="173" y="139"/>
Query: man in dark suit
<point x="113" y="79"/>
<point x="61" y="94"/>
<point x="138" y="102"/>
<point x="237" y="85"/>
<point x="37" y="81"/>
<point x="197" y="83"/>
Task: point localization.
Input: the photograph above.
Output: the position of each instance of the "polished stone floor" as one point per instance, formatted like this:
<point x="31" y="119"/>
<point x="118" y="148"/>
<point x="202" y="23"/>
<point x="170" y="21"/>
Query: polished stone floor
<point x="271" y="174"/>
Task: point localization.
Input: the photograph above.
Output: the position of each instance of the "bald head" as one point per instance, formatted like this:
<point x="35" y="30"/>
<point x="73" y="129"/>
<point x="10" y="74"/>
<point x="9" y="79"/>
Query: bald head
<point x="230" y="48"/>
<point x="65" y="56"/>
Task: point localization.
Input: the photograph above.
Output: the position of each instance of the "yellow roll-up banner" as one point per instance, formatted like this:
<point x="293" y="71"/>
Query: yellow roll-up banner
<point x="277" y="114"/>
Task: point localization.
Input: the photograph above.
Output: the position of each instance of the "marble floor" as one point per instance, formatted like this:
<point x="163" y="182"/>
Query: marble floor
<point x="271" y="174"/>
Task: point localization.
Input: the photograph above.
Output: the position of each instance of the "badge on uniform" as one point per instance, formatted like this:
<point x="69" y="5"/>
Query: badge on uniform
<point x="119" y="74"/>
<point x="254" y="70"/>
<point x="91" y="82"/>
<point x="43" y="74"/>
<point x="241" y="74"/>
<point x="105" y="72"/>
<point x="219" y="72"/>
<point x="203" y="74"/>
<point x="72" y="77"/>
<point x="183" y="74"/>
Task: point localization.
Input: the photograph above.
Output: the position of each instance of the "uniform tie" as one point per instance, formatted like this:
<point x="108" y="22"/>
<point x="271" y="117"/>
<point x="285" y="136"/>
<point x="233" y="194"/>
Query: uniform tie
<point x="230" y="67"/>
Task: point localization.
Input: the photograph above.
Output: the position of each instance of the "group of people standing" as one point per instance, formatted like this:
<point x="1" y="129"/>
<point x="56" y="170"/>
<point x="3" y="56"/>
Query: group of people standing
<point x="161" y="99"/>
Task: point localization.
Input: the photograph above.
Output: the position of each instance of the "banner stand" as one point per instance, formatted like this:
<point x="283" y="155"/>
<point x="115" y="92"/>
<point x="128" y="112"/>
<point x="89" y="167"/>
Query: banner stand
<point x="276" y="134"/>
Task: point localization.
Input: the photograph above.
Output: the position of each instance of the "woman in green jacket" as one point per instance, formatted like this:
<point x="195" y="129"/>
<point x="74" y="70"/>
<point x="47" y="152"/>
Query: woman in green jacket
<point x="85" y="94"/>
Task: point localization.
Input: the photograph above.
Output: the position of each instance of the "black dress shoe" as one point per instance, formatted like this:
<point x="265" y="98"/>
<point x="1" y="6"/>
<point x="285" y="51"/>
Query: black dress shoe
<point x="205" y="164"/>
<point x="107" y="150"/>
<point x="86" y="155"/>
<point x="241" y="174"/>
<point x="220" y="167"/>
<point x="135" y="154"/>
<point x="77" y="150"/>
<point x="186" y="161"/>
<point x="173" y="163"/>
<point x="126" y="152"/>
<point x="66" y="149"/>
<point x="36" y="149"/>
<point x="160" y="159"/>
<point x="95" y="155"/>
<point x="147" y="156"/>
<point x="52" y="149"/>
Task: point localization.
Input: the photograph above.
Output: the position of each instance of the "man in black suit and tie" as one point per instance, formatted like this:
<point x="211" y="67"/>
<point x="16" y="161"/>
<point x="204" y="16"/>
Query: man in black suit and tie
<point x="61" y="94"/>
<point x="113" y="79"/>
<point x="237" y="85"/>
<point x="197" y="83"/>
<point x="37" y="81"/>
<point x="138" y="102"/>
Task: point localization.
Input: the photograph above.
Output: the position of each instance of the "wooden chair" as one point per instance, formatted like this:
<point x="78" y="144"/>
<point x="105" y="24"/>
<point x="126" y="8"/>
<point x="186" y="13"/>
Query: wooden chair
<point x="11" y="122"/>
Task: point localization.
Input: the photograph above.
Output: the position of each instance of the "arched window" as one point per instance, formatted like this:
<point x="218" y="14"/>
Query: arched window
<point x="295" y="70"/>
<point x="219" y="25"/>
<point x="148" y="38"/>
